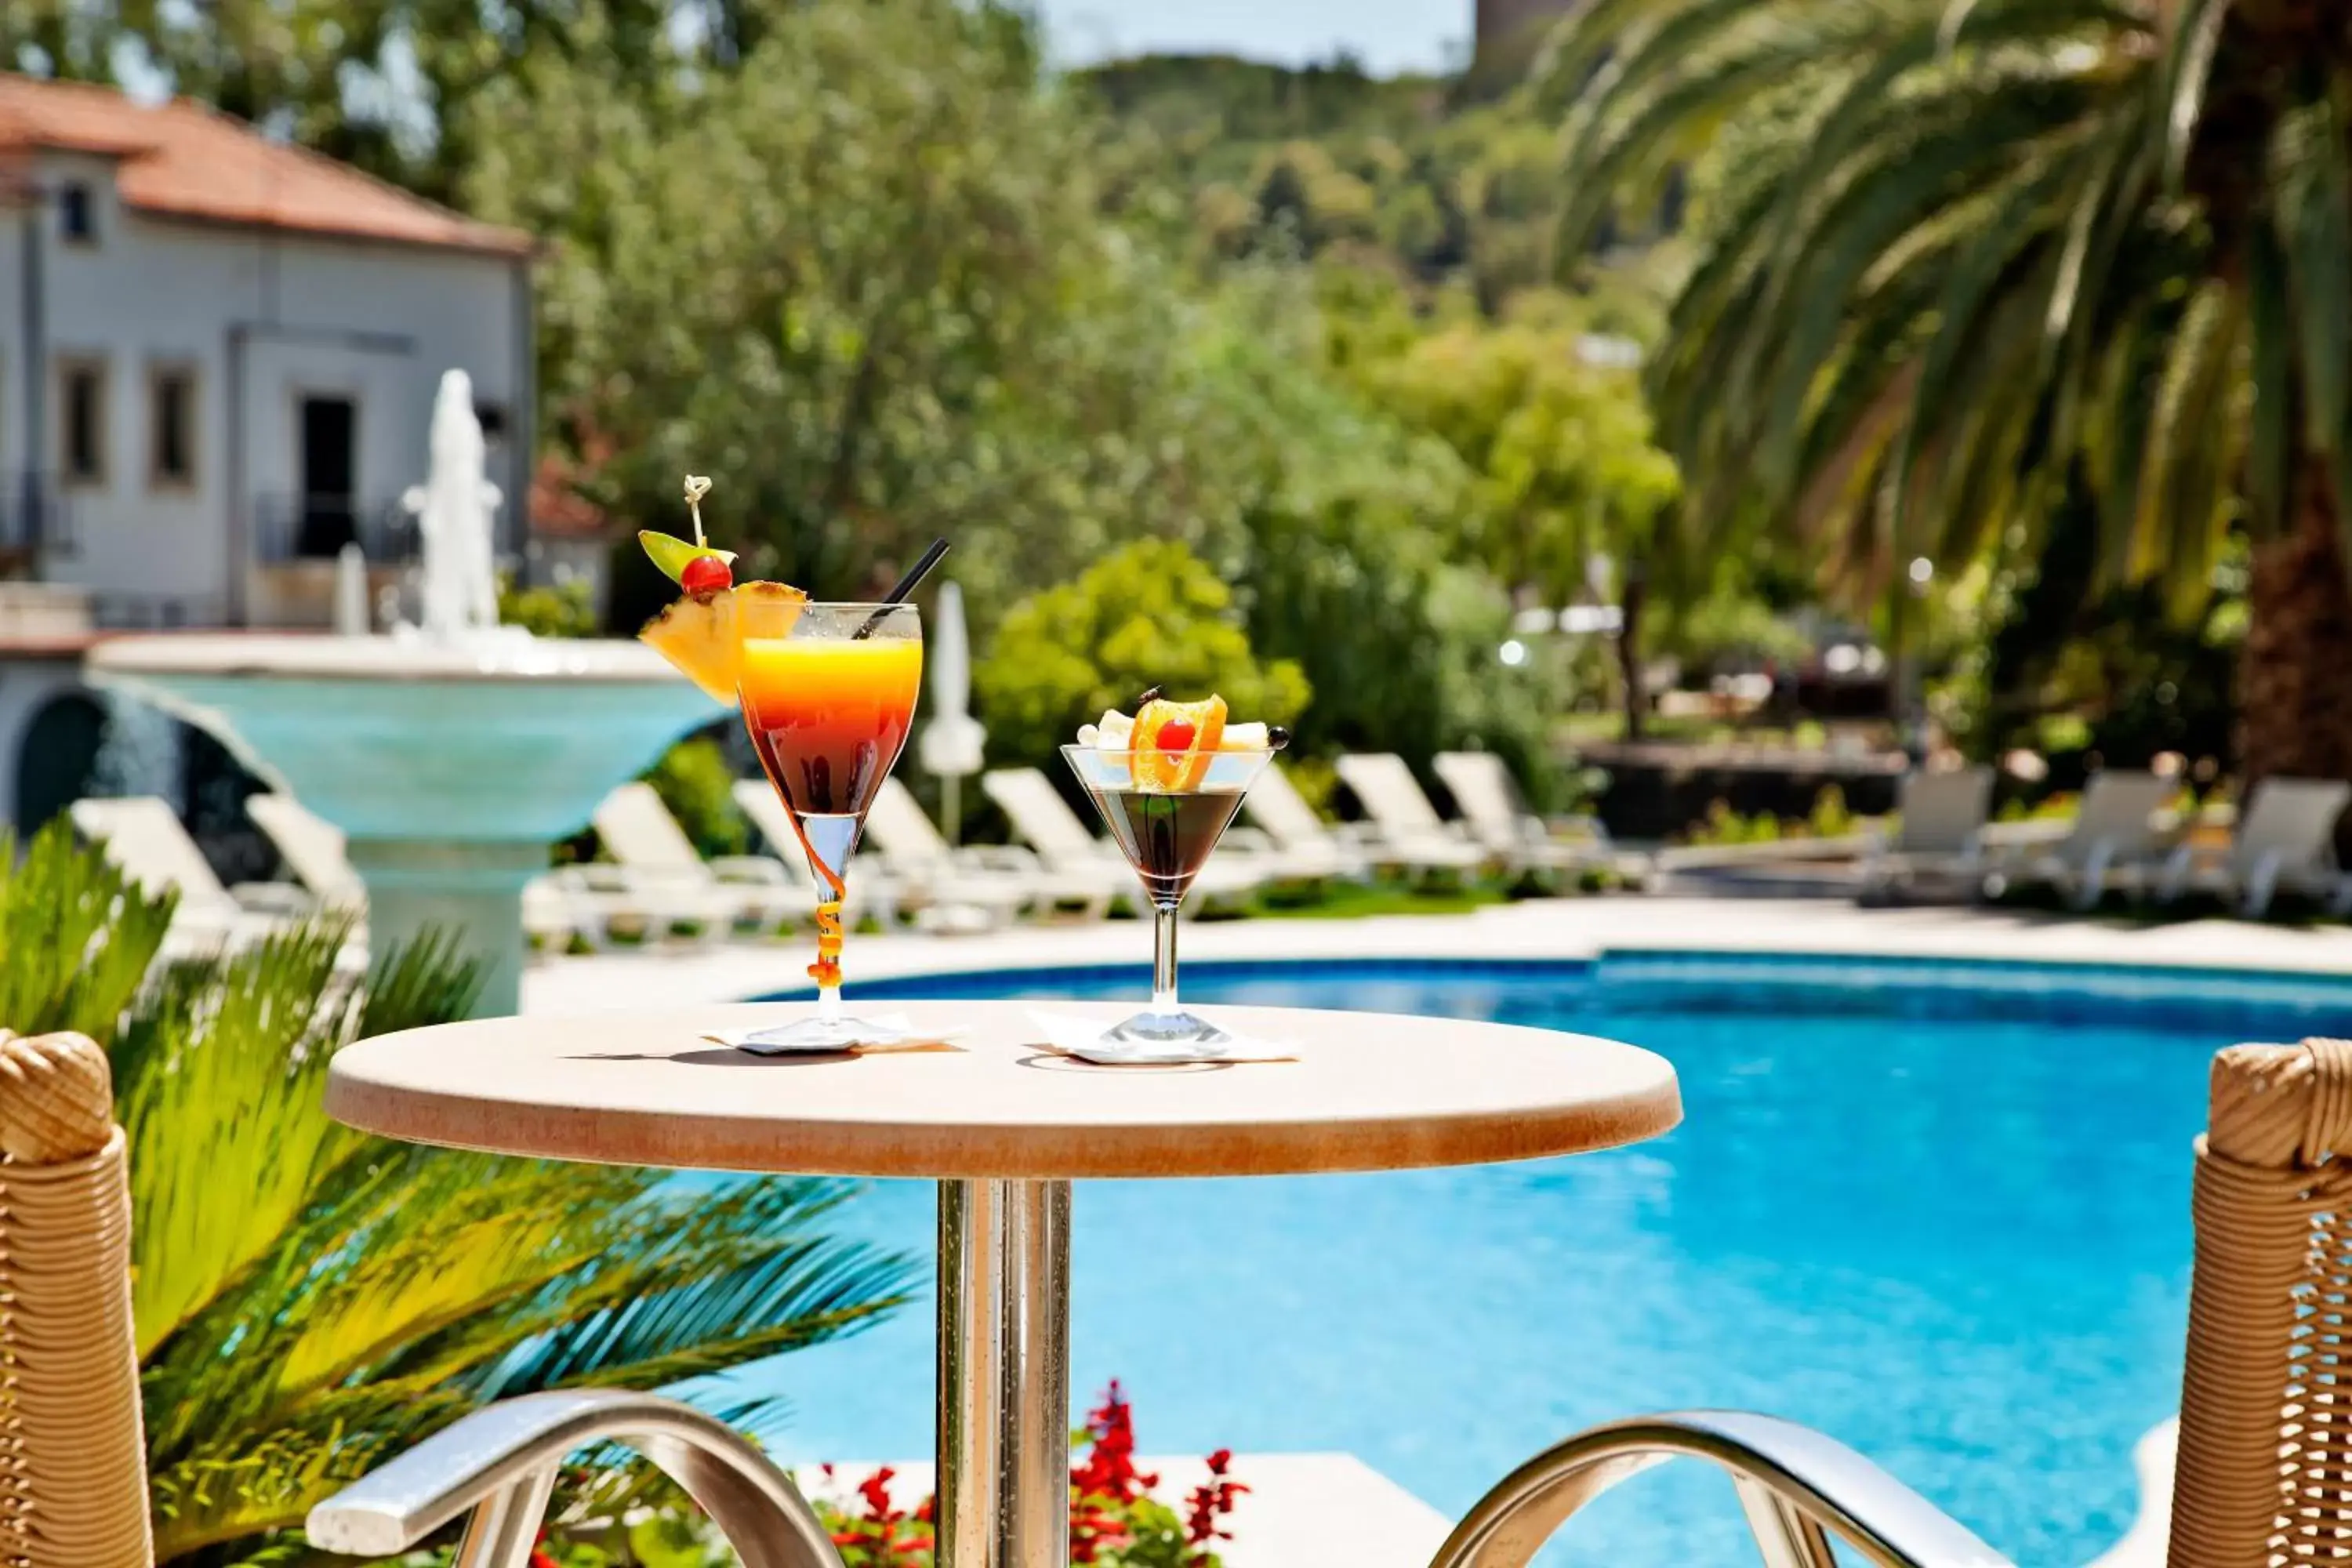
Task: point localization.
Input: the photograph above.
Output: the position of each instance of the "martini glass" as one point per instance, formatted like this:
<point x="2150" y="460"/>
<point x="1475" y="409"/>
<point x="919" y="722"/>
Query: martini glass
<point x="1166" y="835"/>
<point x="828" y="694"/>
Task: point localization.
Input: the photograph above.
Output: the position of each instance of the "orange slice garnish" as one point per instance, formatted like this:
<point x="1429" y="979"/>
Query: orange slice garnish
<point x="1172" y="743"/>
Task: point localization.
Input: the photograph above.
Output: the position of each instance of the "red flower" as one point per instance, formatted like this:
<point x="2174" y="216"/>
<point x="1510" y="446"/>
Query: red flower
<point x="1210" y="1503"/>
<point x="1109" y="1470"/>
<point x="876" y="1490"/>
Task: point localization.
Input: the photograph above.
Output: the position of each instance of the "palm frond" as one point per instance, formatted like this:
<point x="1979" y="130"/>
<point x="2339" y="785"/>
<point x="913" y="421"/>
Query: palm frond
<point x="2180" y="80"/>
<point x="241" y="1480"/>
<point x="2311" y="173"/>
<point x="800" y="1293"/>
<point x="218" y="1087"/>
<point x="77" y="937"/>
<point x="2185" y="492"/>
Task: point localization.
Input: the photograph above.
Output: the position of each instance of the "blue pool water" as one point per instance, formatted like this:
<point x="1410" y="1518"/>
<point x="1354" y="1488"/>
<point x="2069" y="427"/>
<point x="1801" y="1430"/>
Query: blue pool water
<point x="1938" y="1209"/>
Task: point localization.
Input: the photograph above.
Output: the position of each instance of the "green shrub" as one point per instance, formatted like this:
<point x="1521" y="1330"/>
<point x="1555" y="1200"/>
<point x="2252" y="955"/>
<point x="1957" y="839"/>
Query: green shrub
<point x="1831" y="818"/>
<point x="1151" y="614"/>
<point x="557" y="610"/>
<point x="695" y="783"/>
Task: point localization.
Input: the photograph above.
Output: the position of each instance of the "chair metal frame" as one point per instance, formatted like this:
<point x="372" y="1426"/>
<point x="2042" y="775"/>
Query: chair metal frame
<point x="500" y="1463"/>
<point x="1796" y="1487"/>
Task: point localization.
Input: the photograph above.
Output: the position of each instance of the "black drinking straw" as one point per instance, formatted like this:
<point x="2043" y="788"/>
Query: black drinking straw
<point x="906" y="585"/>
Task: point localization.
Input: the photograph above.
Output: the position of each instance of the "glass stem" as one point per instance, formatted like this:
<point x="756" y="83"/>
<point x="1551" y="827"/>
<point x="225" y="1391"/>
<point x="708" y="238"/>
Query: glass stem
<point x="1163" y="959"/>
<point x="828" y="1004"/>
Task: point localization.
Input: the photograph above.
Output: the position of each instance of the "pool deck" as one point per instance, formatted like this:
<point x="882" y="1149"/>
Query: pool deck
<point x="1537" y="929"/>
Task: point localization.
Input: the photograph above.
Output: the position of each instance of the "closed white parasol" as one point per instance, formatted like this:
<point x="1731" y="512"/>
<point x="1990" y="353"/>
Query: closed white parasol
<point x="953" y="742"/>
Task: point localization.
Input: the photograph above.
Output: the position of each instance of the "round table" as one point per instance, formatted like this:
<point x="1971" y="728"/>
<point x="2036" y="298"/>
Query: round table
<point x="1004" y="1123"/>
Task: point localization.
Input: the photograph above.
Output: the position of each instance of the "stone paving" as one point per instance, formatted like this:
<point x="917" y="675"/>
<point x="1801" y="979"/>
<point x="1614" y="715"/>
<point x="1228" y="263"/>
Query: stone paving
<point x="1541" y="928"/>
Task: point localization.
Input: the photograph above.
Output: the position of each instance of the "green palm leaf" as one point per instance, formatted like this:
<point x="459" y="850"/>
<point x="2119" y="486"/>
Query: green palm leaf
<point x="78" y="938"/>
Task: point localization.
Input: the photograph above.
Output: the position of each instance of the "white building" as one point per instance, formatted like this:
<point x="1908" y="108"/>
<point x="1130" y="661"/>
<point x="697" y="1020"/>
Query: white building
<point x="217" y="362"/>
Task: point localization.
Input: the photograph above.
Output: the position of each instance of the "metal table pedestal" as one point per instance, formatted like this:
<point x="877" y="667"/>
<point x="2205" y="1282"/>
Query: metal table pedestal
<point x="1004" y="1374"/>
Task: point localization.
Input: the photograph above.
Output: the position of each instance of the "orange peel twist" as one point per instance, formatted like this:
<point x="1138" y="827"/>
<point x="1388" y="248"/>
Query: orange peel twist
<point x="826" y="970"/>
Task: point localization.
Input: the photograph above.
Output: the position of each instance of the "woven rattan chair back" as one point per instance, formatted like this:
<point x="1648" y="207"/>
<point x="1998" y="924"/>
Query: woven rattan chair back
<point x="73" y="1472"/>
<point x="2264" y="1475"/>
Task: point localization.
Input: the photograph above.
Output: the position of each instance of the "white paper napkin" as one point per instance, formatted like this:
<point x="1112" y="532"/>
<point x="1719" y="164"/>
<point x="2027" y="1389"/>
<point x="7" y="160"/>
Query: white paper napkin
<point x="1088" y="1041"/>
<point x="883" y="1032"/>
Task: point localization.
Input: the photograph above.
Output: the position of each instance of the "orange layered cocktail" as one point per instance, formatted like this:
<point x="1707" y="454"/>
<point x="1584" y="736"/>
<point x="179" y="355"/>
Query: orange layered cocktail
<point x="828" y="694"/>
<point x="829" y="718"/>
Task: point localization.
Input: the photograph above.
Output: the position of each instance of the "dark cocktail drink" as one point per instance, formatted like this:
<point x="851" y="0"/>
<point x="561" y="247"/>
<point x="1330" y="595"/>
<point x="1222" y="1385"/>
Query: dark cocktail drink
<point x="1167" y="796"/>
<point x="1167" y="837"/>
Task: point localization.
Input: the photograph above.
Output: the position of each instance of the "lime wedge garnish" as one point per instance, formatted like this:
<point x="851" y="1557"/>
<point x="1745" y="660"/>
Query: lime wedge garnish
<point x="671" y="554"/>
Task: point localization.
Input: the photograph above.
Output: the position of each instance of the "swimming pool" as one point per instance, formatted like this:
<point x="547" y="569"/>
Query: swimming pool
<point x="1937" y="1208"/>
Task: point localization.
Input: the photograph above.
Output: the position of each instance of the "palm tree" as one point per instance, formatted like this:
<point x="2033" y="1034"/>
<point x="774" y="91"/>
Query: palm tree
<point x="1992" y="249"/>
<point x="310" y="1300"/>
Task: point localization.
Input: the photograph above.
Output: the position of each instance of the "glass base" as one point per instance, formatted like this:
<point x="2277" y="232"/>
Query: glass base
<point x="814" y="1036"/>
<point x="1159" y="1038"/>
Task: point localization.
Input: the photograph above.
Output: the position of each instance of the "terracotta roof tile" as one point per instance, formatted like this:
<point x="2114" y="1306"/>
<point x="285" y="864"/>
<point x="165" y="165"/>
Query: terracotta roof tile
<point x="183" y="160"/>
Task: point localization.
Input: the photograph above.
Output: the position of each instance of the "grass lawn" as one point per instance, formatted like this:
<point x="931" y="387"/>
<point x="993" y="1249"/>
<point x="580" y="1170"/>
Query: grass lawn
<point x="1354" y="900"/>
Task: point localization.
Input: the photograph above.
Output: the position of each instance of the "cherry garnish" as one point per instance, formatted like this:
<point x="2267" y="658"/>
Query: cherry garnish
<point x="1176" y="735"/>
<point x="706" y="575"/>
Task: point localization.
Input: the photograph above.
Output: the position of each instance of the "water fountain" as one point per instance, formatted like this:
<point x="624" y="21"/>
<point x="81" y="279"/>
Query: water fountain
<point x="451" y="753"/>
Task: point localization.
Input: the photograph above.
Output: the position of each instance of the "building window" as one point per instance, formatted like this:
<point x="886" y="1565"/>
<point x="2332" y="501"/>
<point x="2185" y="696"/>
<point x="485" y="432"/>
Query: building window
<point x="172" y="426"/>
<point x="492" y="417"/>
<point x="77" y="214"/>
<point x="81" y="422"/>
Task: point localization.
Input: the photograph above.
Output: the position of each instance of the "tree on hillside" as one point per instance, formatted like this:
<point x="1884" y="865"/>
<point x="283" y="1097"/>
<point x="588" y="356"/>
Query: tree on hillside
<point x="1562" y="471"/>
<point x="863" y="279"/>
<point x="2003" y="243"/>
<point x="1349" y="517"/>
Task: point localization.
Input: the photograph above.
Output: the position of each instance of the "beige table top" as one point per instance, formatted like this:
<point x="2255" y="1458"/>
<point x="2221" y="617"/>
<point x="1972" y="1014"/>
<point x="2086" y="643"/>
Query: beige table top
<point x="1367" y="1091"/>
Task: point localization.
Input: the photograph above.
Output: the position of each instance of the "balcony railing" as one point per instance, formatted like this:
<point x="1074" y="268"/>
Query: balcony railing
<point x="35" y="520"/>
<point x="315" y="528"/>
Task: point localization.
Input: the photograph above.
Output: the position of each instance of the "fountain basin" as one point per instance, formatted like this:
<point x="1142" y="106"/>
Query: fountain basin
<point x="450" y="767"/>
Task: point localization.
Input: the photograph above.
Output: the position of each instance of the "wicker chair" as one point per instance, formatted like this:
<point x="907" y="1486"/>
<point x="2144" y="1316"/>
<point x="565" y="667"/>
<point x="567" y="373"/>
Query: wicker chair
<point x="73" y="1478"/>
<point x="2264" y="1473"/>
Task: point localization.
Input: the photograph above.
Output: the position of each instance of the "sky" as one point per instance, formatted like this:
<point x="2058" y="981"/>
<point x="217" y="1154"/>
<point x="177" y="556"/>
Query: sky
<point x="1387" y="36"/>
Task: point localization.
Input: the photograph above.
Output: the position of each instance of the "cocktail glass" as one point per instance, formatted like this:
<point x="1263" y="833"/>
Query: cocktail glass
<point x="1166" y="835"/>
<point x="828" y="693"/>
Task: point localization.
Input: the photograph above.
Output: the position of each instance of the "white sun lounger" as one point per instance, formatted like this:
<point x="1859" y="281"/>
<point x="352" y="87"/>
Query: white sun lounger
<point x="1308" y="848"/>
<point x="662" y="866"/>
<point x="937" y="884"/>
<point x="2116" y="840"/>
<point x="1941" y="836"/>
<point x="1495" y="812"/>
<point x="1091" y="869"/>
<point x="2286" y="839"/>
<point x="555" y="908"/>
<point x="1408" y="831"/>
<point x="1046" y="823"/>
<point x="873" y="887"/>
<point x="142" y="835"/>
<point x="312" y="848"/>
